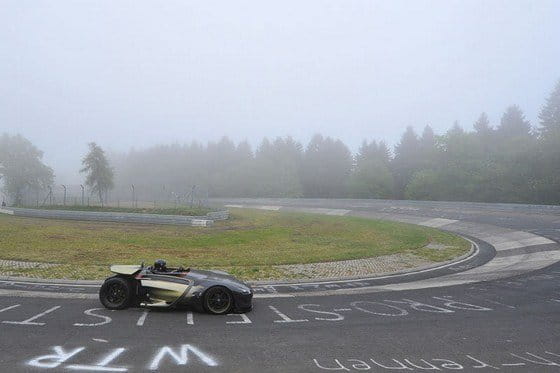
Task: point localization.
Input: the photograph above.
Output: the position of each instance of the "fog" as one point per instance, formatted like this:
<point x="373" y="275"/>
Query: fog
<point x="132" y="74"/>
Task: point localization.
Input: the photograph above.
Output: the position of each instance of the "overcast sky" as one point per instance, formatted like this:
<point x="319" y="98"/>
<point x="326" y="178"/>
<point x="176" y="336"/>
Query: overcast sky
<point x="136" y="73"/>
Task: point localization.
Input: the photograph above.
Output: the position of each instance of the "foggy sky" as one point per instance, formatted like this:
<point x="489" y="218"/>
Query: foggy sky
<point x="136" y="73"/>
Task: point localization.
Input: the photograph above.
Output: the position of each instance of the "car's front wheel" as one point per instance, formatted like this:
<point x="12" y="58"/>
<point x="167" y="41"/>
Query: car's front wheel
<point x="218" y="300"/>
<point x="116" y="293"/>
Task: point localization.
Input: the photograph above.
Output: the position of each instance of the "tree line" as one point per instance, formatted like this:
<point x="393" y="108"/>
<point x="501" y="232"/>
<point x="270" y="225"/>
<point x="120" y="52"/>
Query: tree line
<point x="509" y="161"/>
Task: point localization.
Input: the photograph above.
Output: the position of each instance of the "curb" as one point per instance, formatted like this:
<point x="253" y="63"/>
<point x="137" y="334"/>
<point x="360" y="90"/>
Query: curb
<point x="90" y="283"/>
<point x="469" y="255"/>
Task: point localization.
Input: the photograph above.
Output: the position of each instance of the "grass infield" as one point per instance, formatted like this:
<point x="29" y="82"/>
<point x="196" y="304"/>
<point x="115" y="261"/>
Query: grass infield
<point x="249" y="245"/>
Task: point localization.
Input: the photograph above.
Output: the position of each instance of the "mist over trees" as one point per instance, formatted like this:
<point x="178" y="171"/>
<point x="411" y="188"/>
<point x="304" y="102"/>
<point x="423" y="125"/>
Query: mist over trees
<point x="22" y="171"/>
<point x="508" y="161"/>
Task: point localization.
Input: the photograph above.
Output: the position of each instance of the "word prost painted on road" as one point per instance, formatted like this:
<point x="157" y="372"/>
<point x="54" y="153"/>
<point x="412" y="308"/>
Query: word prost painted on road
<point x="67" y="358"/>
<point x="277" y="314"/>
<point x="525" y="361"/>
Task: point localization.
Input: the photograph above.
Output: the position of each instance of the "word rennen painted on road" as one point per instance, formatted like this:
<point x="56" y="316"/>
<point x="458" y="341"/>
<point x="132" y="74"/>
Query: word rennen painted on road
<point x="69" y="359"/>
<point x="526" y="361"/>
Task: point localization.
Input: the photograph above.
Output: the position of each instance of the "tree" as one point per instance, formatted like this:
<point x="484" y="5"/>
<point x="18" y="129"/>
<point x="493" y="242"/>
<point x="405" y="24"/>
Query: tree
<point x="99" y="173"/>
<point x="371" y="177"/>
<point x="550" y="115"/>
<point x="278" y="165"/>
<point x="21" y="168"/>
<point x="548" y="181"/>
<point x="326" y="167"/>
<point x="482" y="125"/>
<point x="407" y="160"/>
<point x="513" y="123"/>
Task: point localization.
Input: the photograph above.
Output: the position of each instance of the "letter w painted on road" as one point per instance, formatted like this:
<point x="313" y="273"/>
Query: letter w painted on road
<point x="181" y="358"/>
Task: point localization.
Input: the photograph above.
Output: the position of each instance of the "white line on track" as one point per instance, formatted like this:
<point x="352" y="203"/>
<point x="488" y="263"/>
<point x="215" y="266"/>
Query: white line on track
<point x="244" y="319"/>
<point x="493" y="301"/>
<point x="31" y="319"/>
<point x="9" y="308"/>
<point x="142" y="318"/>
<point x="284" y="317"/>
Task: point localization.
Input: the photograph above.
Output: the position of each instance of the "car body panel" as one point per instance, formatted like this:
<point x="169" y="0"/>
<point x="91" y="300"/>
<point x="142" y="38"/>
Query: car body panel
<point x="125" y="269"/>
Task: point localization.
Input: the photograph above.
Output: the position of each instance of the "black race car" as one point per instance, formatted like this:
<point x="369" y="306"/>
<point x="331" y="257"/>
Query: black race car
<point x="215" y="292"/>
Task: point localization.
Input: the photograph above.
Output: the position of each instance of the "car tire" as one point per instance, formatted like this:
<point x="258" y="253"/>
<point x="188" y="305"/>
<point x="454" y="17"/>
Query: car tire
<point x="218" y="300"/>
<point x="117" y="293"/>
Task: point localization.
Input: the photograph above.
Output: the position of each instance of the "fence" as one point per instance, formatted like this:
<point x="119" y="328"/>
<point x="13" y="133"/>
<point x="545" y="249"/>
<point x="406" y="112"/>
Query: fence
<point x="137" y="196"/>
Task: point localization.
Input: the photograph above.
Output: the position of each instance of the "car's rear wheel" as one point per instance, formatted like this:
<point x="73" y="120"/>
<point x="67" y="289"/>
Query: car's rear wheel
<point x="218" y="300"/>
<point x="116" y="293"/>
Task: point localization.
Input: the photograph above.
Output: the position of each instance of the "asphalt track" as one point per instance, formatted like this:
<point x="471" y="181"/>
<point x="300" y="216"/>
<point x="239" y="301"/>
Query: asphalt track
<point x="503" y="314"/>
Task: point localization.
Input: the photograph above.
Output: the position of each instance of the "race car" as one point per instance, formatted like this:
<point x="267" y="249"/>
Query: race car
<point x="215" y="292"/>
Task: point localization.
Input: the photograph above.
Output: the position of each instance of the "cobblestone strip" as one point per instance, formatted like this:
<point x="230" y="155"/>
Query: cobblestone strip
<point x="21" y="264"/>
<point x="357" y="267"/>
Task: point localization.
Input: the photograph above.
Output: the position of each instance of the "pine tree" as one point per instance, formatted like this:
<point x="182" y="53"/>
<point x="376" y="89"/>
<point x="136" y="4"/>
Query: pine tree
<point x="406" y="161"/>
<point x="550" y="115"/>
<point x="482" y="125"/>
<point x="513" y="123"/>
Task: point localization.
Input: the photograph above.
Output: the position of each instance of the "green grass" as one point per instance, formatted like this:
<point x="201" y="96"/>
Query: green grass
<point x="249" y="245"/>
<point x="180" y="210"/>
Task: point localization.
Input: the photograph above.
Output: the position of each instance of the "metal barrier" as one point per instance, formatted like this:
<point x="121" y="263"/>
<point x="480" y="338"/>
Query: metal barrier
<point x="198" y="221"/>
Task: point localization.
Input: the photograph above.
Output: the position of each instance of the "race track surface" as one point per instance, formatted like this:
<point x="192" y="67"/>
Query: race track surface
<point x="503" y="315"/>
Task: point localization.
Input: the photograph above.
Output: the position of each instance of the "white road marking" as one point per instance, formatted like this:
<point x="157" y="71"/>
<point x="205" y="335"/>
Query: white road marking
<point x="45" y="294"/>
<point x="142" y="318"/>
<point x="181" y="358"/>
<point x="245" y="319"/>
<point x="358" y="305"/>
<point x="102" y="365"/>
<point x="9" y="308"/>
<point x="190" y="320"/>
<point x="54" y="360"/>
<point x="494" y="302"/>
<point x="306" y="307"/>
<point x="321" y="210"/>
<point x="285" y="318"/>
<point x="30" y="320"/>
<point x="343" y="309"/>
<point x="279" y="295"/>
<point x="515" y="240"/>
<point x="100" y="340"/>
<point x="437" y="222"/>
<point x="90" y="312"/>
<point x="95" y="368"/>
<point x="270" y="208"/>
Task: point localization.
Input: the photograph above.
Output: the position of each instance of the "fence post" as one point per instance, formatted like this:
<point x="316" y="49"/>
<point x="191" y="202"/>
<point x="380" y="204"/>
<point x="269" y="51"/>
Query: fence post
<point x="64" y="200"/>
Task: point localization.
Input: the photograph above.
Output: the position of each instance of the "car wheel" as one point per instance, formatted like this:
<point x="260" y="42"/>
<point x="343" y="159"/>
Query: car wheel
<point x="116" y="293"/>
<point x="218" y="300"/>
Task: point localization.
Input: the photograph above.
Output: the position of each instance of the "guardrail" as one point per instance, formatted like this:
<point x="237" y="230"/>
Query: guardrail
<point x="122" y="217"/>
